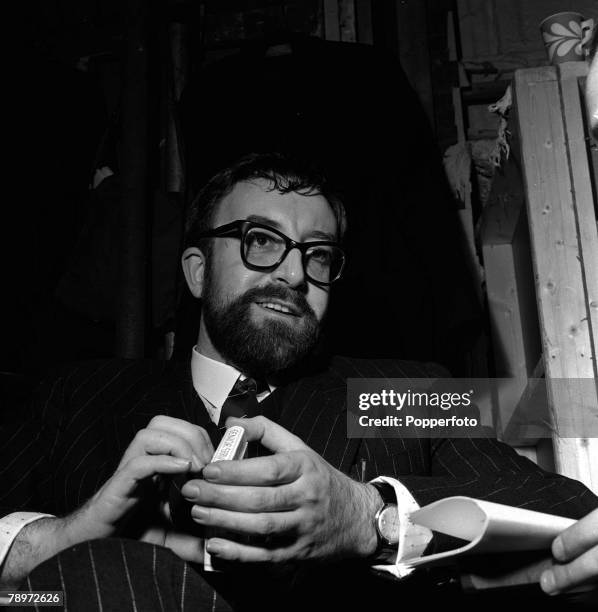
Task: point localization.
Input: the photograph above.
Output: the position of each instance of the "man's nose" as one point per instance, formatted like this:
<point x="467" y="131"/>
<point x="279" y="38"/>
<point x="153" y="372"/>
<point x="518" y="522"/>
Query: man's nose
<point x="290" y="271"/>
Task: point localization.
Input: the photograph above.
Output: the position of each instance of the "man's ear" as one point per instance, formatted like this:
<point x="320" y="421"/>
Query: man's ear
<point x="194" y="267"/>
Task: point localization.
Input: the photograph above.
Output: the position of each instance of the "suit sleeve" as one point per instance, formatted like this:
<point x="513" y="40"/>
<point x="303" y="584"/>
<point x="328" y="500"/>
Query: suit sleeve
<point x="29" y="436"/>
<point x="435" y="468"/>
<point x="483" y="468"/>
<point x="487" y="469"/>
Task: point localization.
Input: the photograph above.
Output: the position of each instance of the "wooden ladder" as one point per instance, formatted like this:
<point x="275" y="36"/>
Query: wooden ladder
<point x="563" y="231"/>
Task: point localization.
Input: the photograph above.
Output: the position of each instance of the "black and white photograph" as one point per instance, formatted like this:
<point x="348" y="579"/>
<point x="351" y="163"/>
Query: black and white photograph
<point x="300" y="306"/>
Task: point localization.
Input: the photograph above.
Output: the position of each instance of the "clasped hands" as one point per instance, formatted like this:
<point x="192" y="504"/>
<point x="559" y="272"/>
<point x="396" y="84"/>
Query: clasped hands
<point x="297" y="504"/>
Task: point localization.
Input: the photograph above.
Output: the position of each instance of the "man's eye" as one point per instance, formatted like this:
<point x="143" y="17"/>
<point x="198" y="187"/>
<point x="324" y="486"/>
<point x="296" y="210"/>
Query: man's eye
<point x="260" y="240"/>
<point x="321" y="256"/>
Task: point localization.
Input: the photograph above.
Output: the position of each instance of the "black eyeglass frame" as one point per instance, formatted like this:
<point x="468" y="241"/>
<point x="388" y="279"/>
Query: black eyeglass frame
<point x="239" y="229"/>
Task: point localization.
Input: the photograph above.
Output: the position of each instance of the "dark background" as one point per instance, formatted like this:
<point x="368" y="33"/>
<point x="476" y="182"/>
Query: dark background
<point x="370" y="96"/>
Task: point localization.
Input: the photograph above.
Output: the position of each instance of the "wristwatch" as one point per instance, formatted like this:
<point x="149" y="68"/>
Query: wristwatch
<point x="387" y="524"/>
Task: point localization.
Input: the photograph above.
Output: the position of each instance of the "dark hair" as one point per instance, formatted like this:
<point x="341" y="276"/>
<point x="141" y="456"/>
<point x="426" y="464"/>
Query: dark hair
<point x="284" y="173"/>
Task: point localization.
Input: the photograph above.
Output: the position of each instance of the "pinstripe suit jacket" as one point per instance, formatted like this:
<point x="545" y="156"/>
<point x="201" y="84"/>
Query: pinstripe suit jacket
<point x="73" y="435"/>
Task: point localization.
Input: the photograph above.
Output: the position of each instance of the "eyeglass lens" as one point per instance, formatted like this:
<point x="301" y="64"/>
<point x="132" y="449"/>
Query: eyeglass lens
<point x="264" y="249"/>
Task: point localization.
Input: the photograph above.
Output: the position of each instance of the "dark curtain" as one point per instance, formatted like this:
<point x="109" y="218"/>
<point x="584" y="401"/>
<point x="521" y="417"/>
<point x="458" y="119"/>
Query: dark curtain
<point x="348" y="106"/>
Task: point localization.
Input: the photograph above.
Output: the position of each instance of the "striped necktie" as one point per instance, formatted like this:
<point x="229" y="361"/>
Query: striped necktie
<point x="242" y="400"/>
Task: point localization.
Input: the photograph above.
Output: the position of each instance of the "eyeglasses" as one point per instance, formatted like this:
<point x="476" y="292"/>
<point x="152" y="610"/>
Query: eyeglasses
<point x="264" y="248"/>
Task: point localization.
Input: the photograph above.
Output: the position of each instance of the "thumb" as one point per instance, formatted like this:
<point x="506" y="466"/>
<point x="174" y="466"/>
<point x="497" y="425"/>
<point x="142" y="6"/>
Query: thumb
<point x="268" y="434"/>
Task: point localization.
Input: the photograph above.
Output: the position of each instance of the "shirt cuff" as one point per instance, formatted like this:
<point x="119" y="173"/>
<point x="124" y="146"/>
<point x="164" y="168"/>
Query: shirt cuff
<point x="11" y="525"/>
<point x="413" y="538"/>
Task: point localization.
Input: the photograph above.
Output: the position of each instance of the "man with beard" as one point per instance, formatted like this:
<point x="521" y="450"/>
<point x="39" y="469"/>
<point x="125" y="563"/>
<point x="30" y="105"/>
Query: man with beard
<point x="304" y="510"/>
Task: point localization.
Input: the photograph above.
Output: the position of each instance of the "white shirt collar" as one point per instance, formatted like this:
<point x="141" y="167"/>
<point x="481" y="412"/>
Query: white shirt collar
<point x="213" y="382"/>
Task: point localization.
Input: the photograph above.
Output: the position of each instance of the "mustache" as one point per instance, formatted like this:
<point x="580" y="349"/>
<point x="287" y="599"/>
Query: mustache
<point x="296" y="298"/>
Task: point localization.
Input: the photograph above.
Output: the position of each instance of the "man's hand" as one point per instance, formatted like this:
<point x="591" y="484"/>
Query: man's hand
<point x="576" y="554"/>
<point x="298" y="504"/>
<point x="166" y="446"/>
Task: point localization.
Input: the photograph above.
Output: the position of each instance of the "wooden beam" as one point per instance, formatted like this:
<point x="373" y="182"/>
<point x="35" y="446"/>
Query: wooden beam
<point x="443" y="73"/>
<point x="477" y="25"/>
<point x="506" y="202"/>
<point x="563" y="309"/>
<point x="347" y="20"/>
<point x="331" y="20"/>
<point x="500" y="218"/>
<point x="507" y="329"/>
<point x="513" y="315"/>
<point x="573" y="108"/>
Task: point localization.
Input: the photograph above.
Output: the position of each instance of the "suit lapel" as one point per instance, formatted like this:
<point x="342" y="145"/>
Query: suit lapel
<point x="173" y="395"/>
<point x="271" y="407"/>
<point x="191" y="406"/>
<point x="193" y="410"/>
<point x="314" y="409"/>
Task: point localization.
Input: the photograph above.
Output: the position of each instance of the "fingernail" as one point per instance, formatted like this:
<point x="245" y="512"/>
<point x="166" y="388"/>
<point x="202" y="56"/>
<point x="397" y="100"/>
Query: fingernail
<point x="199" y="514"/>
<point x="181" y="462"/>
<point x="547" y="582"/>
<point x="213" y="547"/>
<point x="558" y="550"/>
<point x="190" y="491"/>
<point x="211" y="472"/>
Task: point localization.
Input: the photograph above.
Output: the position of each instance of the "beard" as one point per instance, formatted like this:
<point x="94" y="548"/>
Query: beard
<point x="264" y="348"/>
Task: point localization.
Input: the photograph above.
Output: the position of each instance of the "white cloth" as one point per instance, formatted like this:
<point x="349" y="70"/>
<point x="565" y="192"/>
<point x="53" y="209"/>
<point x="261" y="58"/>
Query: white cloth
<point x="11" y="525"/>
<point x="413" y="538"/>
<point x="213" y="381"/>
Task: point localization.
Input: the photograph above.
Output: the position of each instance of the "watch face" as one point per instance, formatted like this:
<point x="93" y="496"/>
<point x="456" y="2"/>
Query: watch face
<point x="388" y="523"/>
